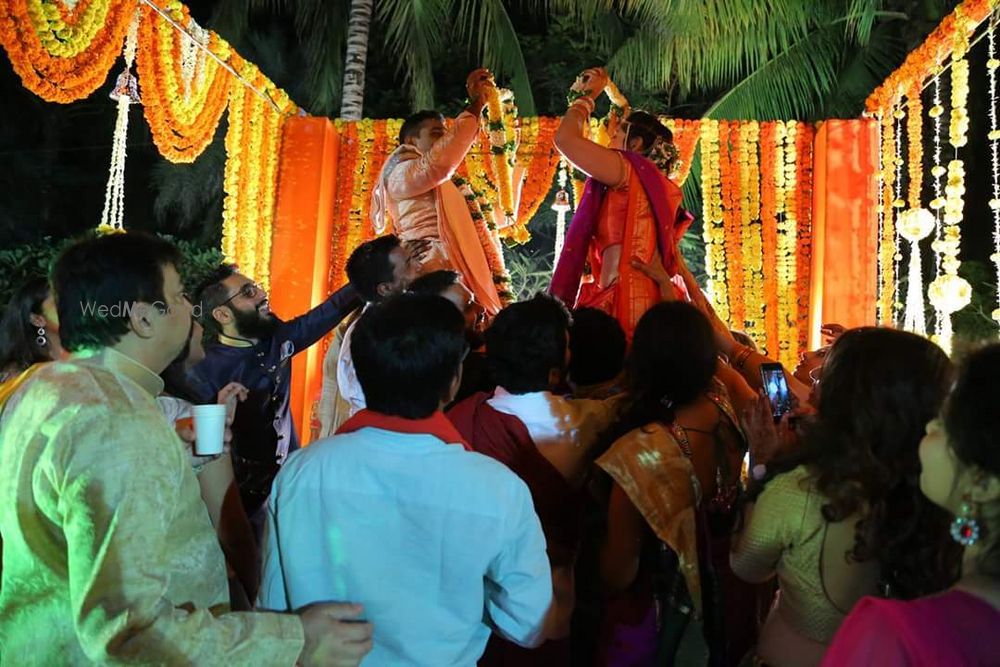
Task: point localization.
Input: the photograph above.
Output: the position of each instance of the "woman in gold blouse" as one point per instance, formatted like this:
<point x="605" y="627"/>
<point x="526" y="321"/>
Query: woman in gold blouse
<point x="676" y="478"/>
<point x="843" y="517"/>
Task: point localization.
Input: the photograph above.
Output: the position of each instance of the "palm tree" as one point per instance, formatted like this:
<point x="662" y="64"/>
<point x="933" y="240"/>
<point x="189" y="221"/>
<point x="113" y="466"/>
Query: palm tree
<point x="352" y="98"/>
<point x="415" y="34"/>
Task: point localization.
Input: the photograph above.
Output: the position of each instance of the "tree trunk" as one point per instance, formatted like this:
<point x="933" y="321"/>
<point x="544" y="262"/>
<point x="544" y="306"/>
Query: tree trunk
<point x="353" y="95"/>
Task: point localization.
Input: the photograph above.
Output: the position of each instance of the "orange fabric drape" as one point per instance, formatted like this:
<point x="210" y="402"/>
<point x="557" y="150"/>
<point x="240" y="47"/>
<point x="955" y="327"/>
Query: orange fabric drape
<point x="300" y="255"/>
<point x="845" y="225"/>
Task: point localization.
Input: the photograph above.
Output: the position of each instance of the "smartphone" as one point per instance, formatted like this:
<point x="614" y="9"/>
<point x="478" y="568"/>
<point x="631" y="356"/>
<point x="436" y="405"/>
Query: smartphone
<point x="776" y="386"/>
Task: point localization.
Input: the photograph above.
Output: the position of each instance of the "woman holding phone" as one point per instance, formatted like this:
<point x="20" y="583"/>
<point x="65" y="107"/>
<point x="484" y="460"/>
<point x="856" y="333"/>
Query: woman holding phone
<point x="843" y="516"/>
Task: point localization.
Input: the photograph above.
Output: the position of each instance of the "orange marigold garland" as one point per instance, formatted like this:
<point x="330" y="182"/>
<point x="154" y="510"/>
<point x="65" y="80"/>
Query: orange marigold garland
<point x="957" y="26"/>
<point x="63" y="55"/>
<point x="729" y="178"/>
<point x="769" y="234"/>
<point x="686" y="135"/>
<point x="752" y="251"/>
<point x="184" y="90"/>
<point x="540" y="169"/>
<point x="347" y="156"/>
<point x="803" y="245"/>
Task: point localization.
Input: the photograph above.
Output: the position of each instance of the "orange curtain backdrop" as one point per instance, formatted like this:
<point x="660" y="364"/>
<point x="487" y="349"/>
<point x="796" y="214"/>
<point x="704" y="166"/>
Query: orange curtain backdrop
<point x="845" y="225"/>
<point x="300" y="250"/>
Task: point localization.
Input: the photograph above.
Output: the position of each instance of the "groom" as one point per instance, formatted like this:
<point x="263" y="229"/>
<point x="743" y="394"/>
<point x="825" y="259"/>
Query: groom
<point x="416" y="195"/>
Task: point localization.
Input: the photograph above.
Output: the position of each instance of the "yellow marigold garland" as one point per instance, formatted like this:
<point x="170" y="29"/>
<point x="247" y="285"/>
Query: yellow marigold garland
<point x="63" y="56"/>
<point x="751" y="246"/>
<point x="713" y="228"/>
<point x="887" y="227"/>
<point x="182" y="124"/>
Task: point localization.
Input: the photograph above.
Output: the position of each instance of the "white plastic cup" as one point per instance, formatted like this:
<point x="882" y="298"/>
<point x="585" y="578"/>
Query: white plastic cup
<point x="209" y="428"/>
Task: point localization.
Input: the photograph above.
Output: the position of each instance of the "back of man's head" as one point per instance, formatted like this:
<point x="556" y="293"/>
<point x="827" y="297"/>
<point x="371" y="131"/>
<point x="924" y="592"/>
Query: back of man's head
<point x="435" y="282"/>
<point x="211" y="292"/>
<point x="411" y="126"/>
<point x="597" y="347"/>
<point x="407" y="354"/>
<point x="526" y="342"/>
<point x="98" y="281"/>
<point x="370" y="265"/>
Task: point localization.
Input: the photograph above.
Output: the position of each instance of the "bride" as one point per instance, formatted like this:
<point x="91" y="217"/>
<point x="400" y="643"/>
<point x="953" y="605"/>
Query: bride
<point x="630" y="214"/>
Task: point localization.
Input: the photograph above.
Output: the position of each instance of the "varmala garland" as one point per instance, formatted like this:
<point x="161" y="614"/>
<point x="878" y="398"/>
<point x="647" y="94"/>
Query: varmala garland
<point x="125" y="93"/>
<point x="949" y="292"/>
<point x="501" y="125"/>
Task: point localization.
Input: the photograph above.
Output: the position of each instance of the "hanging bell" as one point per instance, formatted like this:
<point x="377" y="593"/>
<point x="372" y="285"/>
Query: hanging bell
<point x="126" y="86"/>
<point x="562" y="201"/>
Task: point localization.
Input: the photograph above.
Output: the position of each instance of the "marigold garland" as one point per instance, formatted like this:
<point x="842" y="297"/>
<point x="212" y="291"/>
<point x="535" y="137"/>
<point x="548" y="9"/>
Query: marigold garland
<point x="183" y="115"/>
<point x="788" y="308"/>
<point x="956" y="27"/>
<point x="713" y="228"/>
<point x="729" y="148"/>
<point x="887" y="227"/>
<point x="686" y="136"/>
<point x="750" y="229"/>
<point x="540" y="169"/>
<point x="62" y="55"/>
<point x="501" y="126"/>
<point x="805" y="137"/>
<point x="769" y="232"/>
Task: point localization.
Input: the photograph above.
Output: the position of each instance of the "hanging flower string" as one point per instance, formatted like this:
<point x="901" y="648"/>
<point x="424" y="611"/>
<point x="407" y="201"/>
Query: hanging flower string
<point x="994" y="136"/>
<point x="949" y="292"/>
<point x="125" y="93"/>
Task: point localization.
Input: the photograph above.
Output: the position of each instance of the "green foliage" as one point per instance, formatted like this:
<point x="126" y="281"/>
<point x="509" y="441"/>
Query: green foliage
<point x="28" y="261"/>
<point x="530" y="273"/>
<point x="973" y="323"/>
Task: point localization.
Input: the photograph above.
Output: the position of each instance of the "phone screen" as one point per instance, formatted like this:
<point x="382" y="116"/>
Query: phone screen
<point x="776" y="386"/>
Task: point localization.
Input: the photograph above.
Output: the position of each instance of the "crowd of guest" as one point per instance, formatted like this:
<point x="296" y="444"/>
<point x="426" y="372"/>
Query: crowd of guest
<point x="538" y="488"/>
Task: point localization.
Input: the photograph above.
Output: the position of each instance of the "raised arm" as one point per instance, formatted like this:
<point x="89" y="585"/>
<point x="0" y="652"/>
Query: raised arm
<point x="416" y="174"/>
<point x="602" y="164"/>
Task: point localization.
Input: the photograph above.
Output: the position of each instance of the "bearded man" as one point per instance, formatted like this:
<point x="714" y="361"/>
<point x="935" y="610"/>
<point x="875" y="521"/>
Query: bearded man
<point x="255" y="348"/>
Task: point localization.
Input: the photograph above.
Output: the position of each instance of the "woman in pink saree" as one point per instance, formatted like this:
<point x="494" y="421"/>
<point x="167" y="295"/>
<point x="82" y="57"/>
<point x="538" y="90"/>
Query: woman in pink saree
<point x="630" y="211"/>
<point x="960" y="471"/>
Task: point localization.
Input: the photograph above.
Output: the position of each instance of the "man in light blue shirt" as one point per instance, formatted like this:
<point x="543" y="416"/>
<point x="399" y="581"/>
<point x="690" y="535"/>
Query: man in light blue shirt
<point x="439" y="544"/>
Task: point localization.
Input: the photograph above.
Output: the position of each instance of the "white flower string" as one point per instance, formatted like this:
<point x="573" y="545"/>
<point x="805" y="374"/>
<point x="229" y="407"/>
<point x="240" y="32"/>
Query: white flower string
<point x="937" y="171"/>
<point x="561" y="207"/>
<point x="994" y="137"/>
<point x="125" y="93"/>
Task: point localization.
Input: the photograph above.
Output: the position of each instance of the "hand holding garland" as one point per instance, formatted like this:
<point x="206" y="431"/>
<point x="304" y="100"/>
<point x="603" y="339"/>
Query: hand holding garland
<point x="475" y="85"/>
<point x="600" y="163"/>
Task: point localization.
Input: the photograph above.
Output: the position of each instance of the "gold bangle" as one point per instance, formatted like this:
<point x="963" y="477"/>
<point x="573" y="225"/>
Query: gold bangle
<point x="585" y="104"/>
<point x="741" y="356"/>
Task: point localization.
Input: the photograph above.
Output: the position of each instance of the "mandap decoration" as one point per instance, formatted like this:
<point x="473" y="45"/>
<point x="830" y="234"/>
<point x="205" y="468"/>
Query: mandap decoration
<point x="944" y="52"/>
<point x="756" y="183"/>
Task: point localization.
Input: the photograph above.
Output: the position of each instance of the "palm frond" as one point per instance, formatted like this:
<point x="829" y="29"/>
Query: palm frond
<point x="791" y="85"/>
<point x="416" y="30"/>
<point x="486" y="25"/>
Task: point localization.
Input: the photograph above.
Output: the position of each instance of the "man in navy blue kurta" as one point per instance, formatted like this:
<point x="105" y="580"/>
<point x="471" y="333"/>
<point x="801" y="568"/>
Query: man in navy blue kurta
<point x="255" y="348"/>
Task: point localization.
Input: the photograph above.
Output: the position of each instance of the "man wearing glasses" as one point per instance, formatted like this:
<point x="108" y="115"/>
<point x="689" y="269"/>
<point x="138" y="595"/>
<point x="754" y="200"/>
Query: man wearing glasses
<point x="255" y="348"/>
